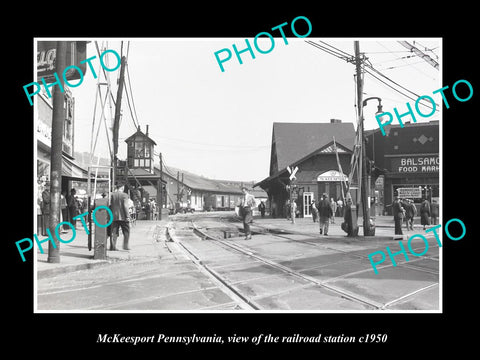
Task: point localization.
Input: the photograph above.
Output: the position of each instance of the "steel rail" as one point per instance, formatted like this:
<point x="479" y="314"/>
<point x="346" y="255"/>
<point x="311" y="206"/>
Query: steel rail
<point x="343" y="293"/>
<point x="236" y="295"/>
<point x="354" y="297"/>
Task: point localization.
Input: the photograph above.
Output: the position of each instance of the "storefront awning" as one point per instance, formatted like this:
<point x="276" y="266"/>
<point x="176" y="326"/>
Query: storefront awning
<point x="152" y="190"/>
<point x="72" y="170"/>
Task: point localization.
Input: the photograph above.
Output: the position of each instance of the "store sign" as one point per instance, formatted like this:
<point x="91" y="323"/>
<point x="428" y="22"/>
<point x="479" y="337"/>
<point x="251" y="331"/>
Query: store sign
<point x="46" y="58"/>
<point x="415" y="164"/>
<point x="44" y="124"/>
<point x="331" y="175"/>
<point x="409" y="192"/>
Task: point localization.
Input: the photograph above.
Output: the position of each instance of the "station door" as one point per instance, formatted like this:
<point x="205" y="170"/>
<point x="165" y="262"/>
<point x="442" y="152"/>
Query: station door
<point x="307" y="200"/>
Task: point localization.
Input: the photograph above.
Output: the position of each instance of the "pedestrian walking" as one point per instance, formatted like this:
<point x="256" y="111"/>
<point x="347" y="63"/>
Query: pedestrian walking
<point x="435" y="211"/>
<point x="261" y="208"/>
<point x="72" y="207"/>
<point x="248" y="202"/>
<point x="410" y="213"/>
<point x="340" y="207"/>
<point x="347" y="224"/>
<point x="398" y="215"/>
<point x="121" y="217"/>
<point x="63" y="210"/>
<point x="39" y="207"/>
<point x="293" y="209"/>
<point x="287" y="209"/>
<point x="325" y="212"/>
<point x="333" y="204"/>
<point x="274" y="209"/>
<point x="153" y="209"/>
<point x="132" y="212"/>
<point x="314" y="211"/>
<point x="45" y="206"/>
<point x="414" y="213"/>
<point x="425" y="213"/>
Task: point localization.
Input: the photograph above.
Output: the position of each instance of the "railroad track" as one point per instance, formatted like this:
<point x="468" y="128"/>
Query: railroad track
<point x="243" y="299"/>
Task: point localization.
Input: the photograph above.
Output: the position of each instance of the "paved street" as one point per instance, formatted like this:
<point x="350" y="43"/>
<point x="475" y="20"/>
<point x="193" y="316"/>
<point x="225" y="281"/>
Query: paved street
<point x="284" y="267"/>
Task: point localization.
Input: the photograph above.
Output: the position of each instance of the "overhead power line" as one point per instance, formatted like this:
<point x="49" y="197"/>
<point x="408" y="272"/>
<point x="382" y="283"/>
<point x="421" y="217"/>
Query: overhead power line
<point x="129" y="92"/>
<point x="420" y="53"/>
<point x="335" y="52"/>
<point x="347" y="57"/>
<point x="397" y="84"/>
<point x="134" y="117"/>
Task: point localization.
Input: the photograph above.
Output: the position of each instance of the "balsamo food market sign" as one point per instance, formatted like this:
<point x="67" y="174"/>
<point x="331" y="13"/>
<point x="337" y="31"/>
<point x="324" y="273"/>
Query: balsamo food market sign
<point x="415" y="164"/>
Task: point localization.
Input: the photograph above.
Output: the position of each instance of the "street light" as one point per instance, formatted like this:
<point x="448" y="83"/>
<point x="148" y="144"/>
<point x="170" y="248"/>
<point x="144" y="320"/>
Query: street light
<point x="379" y="107"/>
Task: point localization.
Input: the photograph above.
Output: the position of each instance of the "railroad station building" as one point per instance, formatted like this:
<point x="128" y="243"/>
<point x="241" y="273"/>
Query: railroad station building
<point x="409" y="160"/>
<point x="405" y="162"/>
<point x="181" y="190"/>
<point x="310" y="147"/>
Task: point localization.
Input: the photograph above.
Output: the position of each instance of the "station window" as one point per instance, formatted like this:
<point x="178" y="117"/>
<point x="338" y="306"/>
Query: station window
<point x="139" y="149"/>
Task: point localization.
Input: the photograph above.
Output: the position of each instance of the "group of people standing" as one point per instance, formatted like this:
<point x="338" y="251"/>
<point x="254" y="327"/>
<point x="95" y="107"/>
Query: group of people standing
<point x="337" y="208"/>
<point x="404" y="210"/>
<point x="70" y="207"/>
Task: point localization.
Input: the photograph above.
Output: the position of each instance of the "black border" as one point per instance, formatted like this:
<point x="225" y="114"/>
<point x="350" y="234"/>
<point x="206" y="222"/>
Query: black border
<point x="48" y="333"/>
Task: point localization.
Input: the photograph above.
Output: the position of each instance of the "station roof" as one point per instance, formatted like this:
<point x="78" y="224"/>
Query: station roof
<point x="198" y="182"/>
<point x="294" y="141"/>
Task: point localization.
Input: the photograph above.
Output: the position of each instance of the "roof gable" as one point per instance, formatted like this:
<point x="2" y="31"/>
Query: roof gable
<point x="141" y="135"/>
<point x="294" y="141"/>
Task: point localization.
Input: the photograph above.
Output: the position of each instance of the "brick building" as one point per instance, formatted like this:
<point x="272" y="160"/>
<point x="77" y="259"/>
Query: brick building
<point x="409" y="159"/>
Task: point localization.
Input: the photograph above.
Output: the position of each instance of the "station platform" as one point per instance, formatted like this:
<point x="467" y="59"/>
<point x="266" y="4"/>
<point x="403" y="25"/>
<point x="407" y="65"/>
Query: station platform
<point x="147" y="241"/>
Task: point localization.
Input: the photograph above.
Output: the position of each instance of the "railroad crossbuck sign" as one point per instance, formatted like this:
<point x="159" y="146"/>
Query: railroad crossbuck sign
<point x="292" y="172"/>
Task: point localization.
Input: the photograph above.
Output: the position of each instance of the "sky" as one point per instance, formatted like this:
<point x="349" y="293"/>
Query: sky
<point x="219" y="124"/>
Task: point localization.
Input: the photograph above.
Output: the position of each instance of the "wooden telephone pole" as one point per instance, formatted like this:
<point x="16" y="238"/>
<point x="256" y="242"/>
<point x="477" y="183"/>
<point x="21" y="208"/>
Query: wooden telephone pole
<point x="160" y="190"/>
<point x="58" y="120"/>
<point x="364" y="186"/>
<point x="116" y="121"/>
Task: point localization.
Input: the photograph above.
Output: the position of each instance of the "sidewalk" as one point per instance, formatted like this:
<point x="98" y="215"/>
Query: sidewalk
<point x="384" y="227"/>
<point x="147" y="243"/>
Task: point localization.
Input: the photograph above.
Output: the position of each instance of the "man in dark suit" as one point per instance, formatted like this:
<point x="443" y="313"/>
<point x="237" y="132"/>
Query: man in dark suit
<point x="398" y="215"/>
<point x="325" y="213"/>
<point x="121" y="217"/>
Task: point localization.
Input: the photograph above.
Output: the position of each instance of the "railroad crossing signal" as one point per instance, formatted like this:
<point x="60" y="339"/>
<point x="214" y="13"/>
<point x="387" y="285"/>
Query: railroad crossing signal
<point x="292" y="172"/>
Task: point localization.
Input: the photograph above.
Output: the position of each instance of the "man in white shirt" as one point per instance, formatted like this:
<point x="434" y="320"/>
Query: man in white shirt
<point x="248" y="202"/>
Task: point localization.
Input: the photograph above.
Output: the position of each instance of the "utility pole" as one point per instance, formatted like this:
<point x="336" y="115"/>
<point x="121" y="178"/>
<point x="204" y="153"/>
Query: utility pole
<point x="292" y="210"/>
<point x="58" y="120"/>
<point x="362" y="169"/>
<point x="116" y="121"/>
<point x="160" y="190"/>
<point x="182" y="190"/>
<point x="178" y="186"/>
